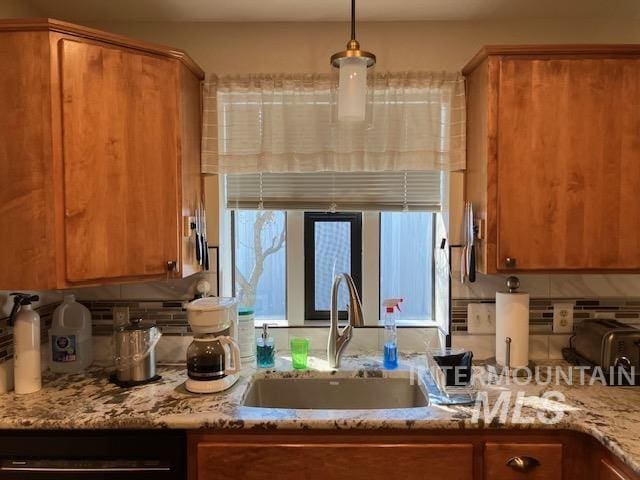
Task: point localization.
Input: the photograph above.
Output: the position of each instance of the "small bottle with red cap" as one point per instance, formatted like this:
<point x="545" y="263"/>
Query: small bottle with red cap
<point x="390" y="333"/>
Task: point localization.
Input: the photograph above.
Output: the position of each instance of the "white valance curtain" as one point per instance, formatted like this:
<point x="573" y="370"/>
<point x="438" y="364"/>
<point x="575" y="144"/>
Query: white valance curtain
<point x="282" y="124"/>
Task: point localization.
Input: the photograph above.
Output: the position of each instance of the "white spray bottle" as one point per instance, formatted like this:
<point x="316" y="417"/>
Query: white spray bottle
<point x="26" y="340"/>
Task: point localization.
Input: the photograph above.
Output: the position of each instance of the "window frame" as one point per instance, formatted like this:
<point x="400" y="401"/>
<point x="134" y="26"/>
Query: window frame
<point x="310" y="220"/>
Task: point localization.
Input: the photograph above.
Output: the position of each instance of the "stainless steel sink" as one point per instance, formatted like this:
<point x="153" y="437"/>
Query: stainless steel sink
<point x="332" y="392"/>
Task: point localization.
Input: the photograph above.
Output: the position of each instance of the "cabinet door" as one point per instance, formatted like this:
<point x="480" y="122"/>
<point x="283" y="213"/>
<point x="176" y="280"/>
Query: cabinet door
<point x="120" y="155"/>
<point x="609" y="472"/>
<point x="334" y="461"/>
<point x="515" y="461"/>
<point x="568" y="176"/>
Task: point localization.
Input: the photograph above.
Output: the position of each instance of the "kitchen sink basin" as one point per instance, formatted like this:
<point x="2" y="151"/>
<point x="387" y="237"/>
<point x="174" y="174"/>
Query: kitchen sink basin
<point x="344" y="393"/>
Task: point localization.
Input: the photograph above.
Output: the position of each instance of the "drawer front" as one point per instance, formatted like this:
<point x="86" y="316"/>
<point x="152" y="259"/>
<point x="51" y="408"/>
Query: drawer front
<point x="515" y="461"/>
<point x="334" y="461"/>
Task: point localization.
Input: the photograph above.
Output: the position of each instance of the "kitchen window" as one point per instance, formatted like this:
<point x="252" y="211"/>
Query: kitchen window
<point x="406" y="262"/>
<point x="259" y="262"/>
<point x="290" y="274"/>
<point x="332" y="245"/>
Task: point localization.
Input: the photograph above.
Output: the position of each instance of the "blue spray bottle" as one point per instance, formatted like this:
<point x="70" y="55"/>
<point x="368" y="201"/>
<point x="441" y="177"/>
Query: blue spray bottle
<point x="391" y="333"/>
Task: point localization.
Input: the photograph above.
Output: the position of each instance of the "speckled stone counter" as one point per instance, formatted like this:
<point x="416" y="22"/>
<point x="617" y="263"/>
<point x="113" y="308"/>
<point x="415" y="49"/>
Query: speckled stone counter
<point x="89" y="401"/>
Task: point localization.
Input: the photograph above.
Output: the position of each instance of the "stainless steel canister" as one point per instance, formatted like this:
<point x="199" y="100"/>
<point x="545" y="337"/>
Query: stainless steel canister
<point x="135" y="345"/>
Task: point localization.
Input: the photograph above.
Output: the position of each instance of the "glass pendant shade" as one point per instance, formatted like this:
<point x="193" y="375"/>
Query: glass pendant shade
<point x="352" y="89"/>
<point x="351" y="96"/>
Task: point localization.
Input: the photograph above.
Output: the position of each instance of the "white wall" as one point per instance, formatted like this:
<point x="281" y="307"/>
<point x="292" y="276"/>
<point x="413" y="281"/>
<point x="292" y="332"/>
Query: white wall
<point x="17" y="9"/>
<point x="306" y="47"/>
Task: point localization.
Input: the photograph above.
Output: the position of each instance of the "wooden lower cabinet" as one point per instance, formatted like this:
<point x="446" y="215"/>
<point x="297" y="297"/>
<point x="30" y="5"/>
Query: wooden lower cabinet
<point x="608" y="471"/>
<point x="334" y="461"/>
<point x="433" y="455"/>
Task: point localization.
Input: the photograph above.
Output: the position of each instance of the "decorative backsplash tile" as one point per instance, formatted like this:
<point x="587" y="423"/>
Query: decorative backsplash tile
<point x="169" y="315"/>
<point x="541" y="311"/>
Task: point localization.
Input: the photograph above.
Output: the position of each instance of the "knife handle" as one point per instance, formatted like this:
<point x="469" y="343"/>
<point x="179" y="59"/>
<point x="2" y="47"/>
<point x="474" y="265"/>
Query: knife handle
<point x="205" y="256"/>
<point x="198" y="248"/>
<point x="472" y="264"/>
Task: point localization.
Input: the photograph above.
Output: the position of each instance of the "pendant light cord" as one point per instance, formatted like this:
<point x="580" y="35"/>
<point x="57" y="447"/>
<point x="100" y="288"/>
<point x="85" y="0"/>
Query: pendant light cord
<point x="353" y="19"/>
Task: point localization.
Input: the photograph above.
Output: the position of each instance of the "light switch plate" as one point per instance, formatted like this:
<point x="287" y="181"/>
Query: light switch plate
<point x="481" y="318"/>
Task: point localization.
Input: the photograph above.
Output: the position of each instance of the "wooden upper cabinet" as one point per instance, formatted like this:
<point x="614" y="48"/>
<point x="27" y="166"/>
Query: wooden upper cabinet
<point x="553" y="157"/>
<point x="119" y="124"/>
<point x="104" y="157"/>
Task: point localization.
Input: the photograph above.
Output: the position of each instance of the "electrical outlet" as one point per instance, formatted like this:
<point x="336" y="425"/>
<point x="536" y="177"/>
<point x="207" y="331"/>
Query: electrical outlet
<point x="481" y="318"/>
<point x="120" y="315"/>
<point x="562" y="317"/>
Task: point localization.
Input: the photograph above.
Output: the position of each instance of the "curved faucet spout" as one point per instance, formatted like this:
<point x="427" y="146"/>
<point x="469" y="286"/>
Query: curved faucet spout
<point x="338" y="340"/>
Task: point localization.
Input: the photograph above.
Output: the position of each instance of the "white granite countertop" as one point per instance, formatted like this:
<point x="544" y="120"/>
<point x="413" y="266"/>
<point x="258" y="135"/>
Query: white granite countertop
<point x="90" y="401"/>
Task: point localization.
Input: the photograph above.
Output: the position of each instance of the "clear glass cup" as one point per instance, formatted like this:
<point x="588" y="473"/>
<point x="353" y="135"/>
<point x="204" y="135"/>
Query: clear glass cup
<point x="299" y="352"/>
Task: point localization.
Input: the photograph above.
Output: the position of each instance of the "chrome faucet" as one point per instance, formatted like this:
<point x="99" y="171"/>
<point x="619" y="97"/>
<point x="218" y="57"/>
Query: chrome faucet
<point x="338" y="340"/>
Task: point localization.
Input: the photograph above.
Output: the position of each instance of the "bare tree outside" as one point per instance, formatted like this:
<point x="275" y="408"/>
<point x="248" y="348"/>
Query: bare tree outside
<point x="263" y="235"/>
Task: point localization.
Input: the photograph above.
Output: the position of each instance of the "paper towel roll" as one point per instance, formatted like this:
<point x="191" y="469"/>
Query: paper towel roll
<point x="512" y="320"/>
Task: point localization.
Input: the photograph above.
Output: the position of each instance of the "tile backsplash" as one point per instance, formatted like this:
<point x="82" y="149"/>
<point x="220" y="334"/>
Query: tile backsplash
<point x="162" y="303"/>
<point x="625" y="310"/>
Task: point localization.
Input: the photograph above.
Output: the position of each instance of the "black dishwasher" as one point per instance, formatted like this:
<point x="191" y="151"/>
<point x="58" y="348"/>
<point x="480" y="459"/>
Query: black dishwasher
<point x="92" y="455"/>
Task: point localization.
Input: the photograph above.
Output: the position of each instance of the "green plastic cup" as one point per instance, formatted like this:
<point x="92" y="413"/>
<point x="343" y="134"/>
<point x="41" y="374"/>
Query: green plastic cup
<point x="299" y="352"/>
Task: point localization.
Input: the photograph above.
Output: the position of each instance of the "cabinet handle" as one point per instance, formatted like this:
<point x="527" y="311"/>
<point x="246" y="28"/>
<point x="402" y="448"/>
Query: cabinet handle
<point x="523" y="464"/>
<point x="510" y="262"/>
<point x="172" y="266"/>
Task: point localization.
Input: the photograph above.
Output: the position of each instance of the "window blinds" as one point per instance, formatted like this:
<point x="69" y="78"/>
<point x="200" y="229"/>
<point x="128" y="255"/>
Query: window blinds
<point x="342" y="191"/>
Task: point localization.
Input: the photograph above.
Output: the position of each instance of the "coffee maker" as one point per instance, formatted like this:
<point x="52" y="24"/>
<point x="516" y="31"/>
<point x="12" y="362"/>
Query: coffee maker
<point x="213" y="358"/>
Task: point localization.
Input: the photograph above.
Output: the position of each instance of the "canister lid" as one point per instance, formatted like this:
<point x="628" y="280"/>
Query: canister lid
<point x="245" y="311"/>
<point x="135" y="324"/>
<point x="209" y="304"/>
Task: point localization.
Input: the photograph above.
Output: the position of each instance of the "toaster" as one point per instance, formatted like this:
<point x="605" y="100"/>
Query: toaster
<point x="608" y="343"/>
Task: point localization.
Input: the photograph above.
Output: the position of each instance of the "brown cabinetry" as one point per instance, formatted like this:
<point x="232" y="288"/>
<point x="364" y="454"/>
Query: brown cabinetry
<point x="100" y="157"/>
<point x="381" y="455"/>
<point x="552" y="157"/>
<point x="335" y="460"/>
<point x="609" y="472"/>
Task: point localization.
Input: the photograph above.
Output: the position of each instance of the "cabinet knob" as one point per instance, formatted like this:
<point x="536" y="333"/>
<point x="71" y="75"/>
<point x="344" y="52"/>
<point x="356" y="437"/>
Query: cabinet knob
<point x="510" y="262"/>
<point x="172" y="266"/>
<point x="523" y="464"/>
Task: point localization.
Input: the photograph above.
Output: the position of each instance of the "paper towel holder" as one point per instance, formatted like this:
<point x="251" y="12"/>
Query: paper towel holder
<point x="513" y="284"/>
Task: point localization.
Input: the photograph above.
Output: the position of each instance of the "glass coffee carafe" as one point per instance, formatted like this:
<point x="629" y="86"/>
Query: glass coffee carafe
<point x="212" y="356"/>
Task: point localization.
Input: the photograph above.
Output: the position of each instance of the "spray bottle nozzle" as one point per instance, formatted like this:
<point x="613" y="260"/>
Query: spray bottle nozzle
<point x="391" y="304"/>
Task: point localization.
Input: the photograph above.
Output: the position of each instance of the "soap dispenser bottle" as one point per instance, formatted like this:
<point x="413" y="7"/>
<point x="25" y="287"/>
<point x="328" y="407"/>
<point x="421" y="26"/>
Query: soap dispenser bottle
<point x="26" y="337"/>
<point x="265" y="349"/>
<point x="390" y="361"/>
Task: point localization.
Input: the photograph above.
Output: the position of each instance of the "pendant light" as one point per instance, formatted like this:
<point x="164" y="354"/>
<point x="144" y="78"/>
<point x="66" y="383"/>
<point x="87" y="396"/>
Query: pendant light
<point x="351" y="66"/>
